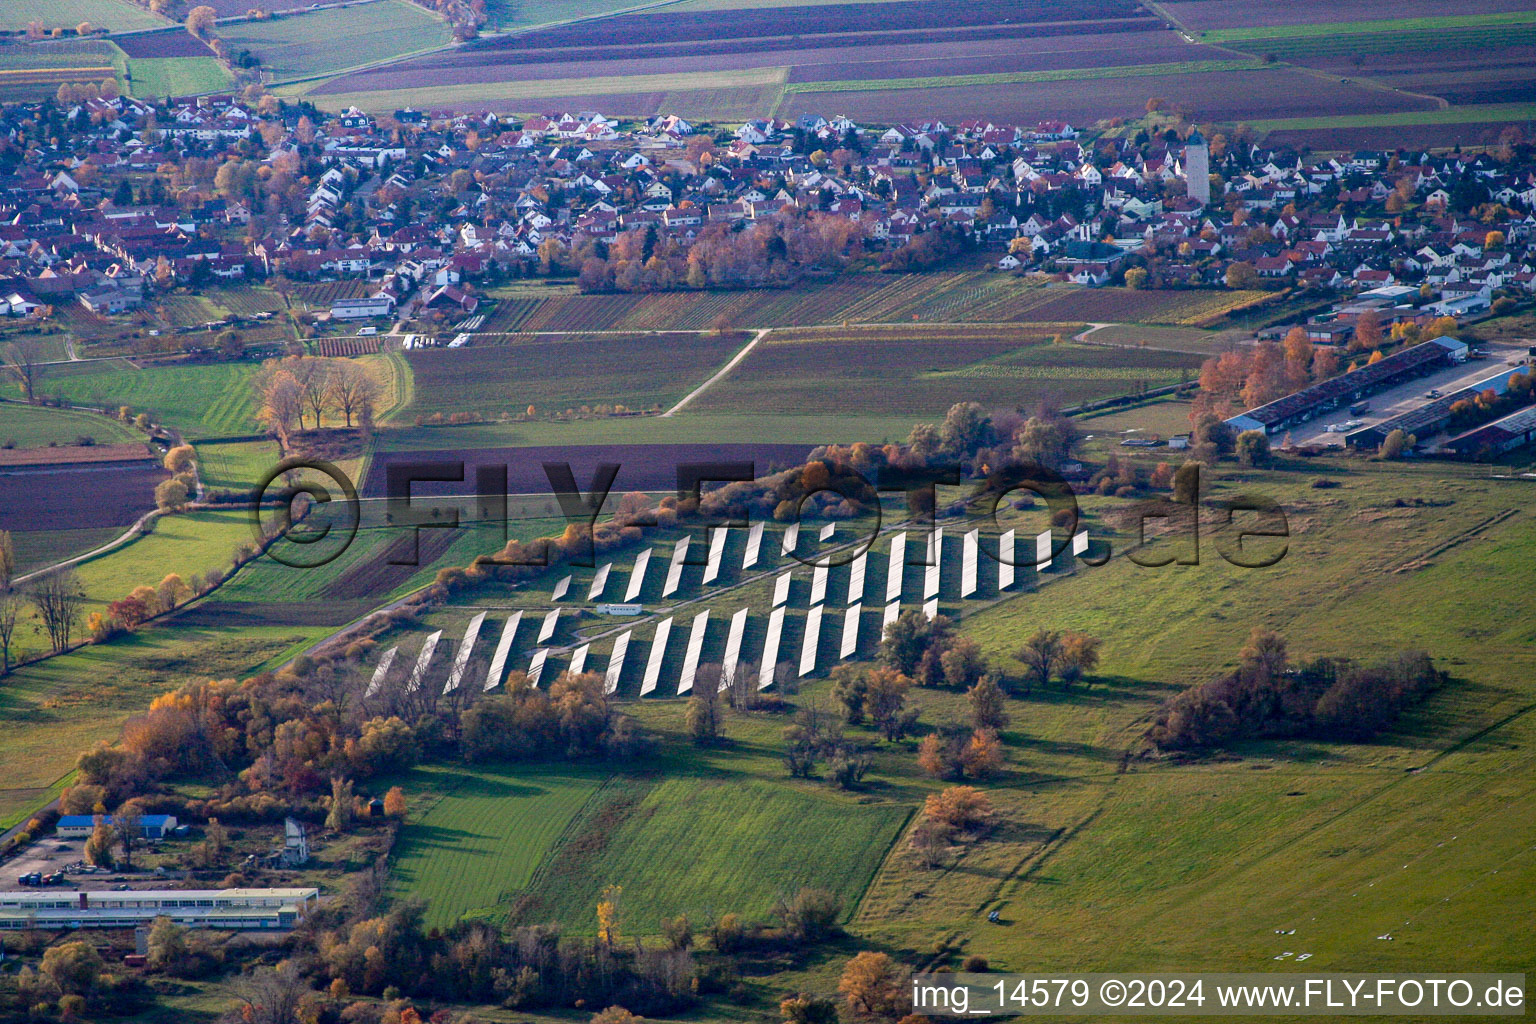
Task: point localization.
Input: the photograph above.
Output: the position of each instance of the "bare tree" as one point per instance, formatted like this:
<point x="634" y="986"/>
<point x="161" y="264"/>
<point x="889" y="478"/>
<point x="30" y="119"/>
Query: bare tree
<point x="57" y="598"/>
<point x="282" y="402"/>
<point x="10" y="611"/>
<point x="128" y="827"/>
<point x="272" y="995"/>
<point x="7" y="560"/>
<point x="1041" y="655"/>
<point x="24" y="365"/>
<point x="353" y="389"/>
<point x="314" y="378"/>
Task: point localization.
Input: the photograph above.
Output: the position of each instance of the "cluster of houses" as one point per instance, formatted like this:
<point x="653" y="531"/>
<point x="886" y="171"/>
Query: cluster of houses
<point x="420" y="202"/>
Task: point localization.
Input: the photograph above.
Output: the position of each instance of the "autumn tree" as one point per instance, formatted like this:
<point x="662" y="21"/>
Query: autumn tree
<point x="171" y="495"/>
<point x="1253" y="448"/>
<point x="703" y="715"/>
<point x="7" y="560"/>
<point x="885" y="703"/>
<point x="875" y="987"/>
<point x="98" y="848"/>
<point x="959" y="810"/>
<point x="1041" y="654"/>
<point x="988" y="704"/>
<point x="1368" y="334"/>
<point x="802" y="1008"/>
<point x="339" y="817"/>
<point x="609" y="915"/>
<point x="394" y="802"/>
<point x="128" y="829"/>
<point x="57" y="598"/>
<point x="1393" y="446"/>
<point x="352" y="389"/>
<point x="1079" y="656"/>
<point x="10" y="614"/>
<point x="24" y="365"/>
<point x="201" y="21"/>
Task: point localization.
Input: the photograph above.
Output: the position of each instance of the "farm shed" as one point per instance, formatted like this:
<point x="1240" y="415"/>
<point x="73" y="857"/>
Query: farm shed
<point x="1430" y="418"/>
<point x="359" y="309"/>
<point x="1496" y="438"/>
<point x="79" y="826"/>
<point x="1325" y="395"/>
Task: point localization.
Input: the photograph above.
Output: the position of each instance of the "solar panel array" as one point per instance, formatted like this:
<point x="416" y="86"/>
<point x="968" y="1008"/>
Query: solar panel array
<point x="970" y="586"/>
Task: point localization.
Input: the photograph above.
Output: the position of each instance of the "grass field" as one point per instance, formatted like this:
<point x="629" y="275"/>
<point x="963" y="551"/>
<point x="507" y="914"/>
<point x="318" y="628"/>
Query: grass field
<point x="202" y="400"/>
<point x="554" y="373"/>
<point x="1329" y="29"/>
<point x="697" y="845"/>
<point x="189" y="544"/>
<point x="319" y="43"/>
<point x="37" y="548"/>
<point x="921" y="371"/>
<point x="526" y="95"/>
<point x="236" y="465"/>
<point x="482" y="833"/>
<point x="160" y="77"/>
<point x="510" y="15"/>
<point x="33" y="426"/>
<point x="116" y="15"/>
<point x="1471" y="114"/>
<point x="1020" y="77"/>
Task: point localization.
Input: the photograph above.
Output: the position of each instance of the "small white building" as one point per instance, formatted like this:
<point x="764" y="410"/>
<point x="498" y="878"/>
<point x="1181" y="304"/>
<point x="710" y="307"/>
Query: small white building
<point x="195" y="908"/>
<point x="362" y="309"/>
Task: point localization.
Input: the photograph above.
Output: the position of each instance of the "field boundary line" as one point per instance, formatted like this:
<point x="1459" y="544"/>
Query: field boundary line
<point x="720" y="374"/>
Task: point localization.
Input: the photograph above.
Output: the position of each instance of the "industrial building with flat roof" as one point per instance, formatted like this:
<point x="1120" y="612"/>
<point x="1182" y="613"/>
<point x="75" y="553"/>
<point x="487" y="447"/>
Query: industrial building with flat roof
<point x="1324" y="396"/>
<point x="1430" y="418"/>
<point x="1492" y="439"/>
<point x="196" y="908"/>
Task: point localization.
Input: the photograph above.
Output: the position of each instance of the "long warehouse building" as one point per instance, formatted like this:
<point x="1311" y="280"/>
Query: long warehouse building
<point x="1327" y="395"/>
<point x="1432" y="417"/>
<point x="195" y="908"/>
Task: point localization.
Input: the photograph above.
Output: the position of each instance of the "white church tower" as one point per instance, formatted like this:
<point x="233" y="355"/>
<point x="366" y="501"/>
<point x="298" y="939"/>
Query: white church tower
<point x="1197" y="167"/>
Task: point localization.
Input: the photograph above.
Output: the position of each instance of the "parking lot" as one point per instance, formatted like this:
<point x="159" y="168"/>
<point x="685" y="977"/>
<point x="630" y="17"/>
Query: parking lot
<point x="1406" y="397"/>
<point x="52" y="854"/>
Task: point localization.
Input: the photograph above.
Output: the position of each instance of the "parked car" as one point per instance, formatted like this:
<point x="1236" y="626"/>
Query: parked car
<point x="1432" y="393"/>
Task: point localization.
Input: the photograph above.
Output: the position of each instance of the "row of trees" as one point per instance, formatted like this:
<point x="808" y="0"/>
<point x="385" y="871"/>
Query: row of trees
<point x="1265" y="696"/>
<point x="302" y="389"/>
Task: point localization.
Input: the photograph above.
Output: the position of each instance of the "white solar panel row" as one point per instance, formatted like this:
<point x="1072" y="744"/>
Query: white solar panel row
<point x="380" y="672"/>
<point x="771" y="649"/>
<point x="850" y="632"/>
<point x="503" y="647"/>
<point x="716" y="552"/>
<point x="856" y="578"/>
<point x="811" y="641"/>
<point x="828" y="531"/>
<point x="637" y="575"/>
<point x="658" y="653"/>
<point x="1005" y="560"/>
<point x="536" y="666"/>
<point x="675" y="570"/>
<point x="547" y="627"/>
<point x="695" y="648"/>
<point x="781" y="590"/>
<point x="561" y="589"/>
<point x="819" y="583"/>
<point x="931" y="570"/>
<point x="732" y="657"/>
<point x="599" y="581"/>
<point x="579" y="660"/>
<point x="616" y="661"/>
<point x="466" y="648"/>
<point x="754" y="545"/>
<point x="1043" y="552"/>
<point x="897" y="565"/>
<point x="1080" y="542"/>
<point x="968" y="563"/>
<point x="791" y="539"/>
<point x="423" y="659"/>
<point x="931" y="609"/>
<point x="892" y="613"/>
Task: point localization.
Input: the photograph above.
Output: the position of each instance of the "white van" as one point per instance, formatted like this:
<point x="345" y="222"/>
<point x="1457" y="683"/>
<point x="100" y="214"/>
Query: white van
<point x="367" y="332"/>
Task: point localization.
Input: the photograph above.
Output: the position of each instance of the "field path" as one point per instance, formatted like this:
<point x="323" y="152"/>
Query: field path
<point x="719" y="374"/>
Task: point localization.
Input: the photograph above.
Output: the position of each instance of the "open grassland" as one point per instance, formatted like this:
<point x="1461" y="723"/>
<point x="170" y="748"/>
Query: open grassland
<point x="35" y="426"/>
<point x="695" y="845"/>
<point x="188" y="544"/>
<point x="1423" y="834"/>
<point x="1468" y="115"/>
<point x="516" y="15"/>
<point x="318" y="43"/>
<point x="1021" y="77"/>
<point x="922" y="371"/>
<point x="161" y="77"/>
<point x="555" y="373"/>
<point x="114" y="15"/>
<point x="200" y="400"/>
<point x="1329" y="29"/>
<point x="236" y="465"/>
<point x="60" y="707"/>
<point x="476" y="836"/>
